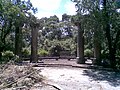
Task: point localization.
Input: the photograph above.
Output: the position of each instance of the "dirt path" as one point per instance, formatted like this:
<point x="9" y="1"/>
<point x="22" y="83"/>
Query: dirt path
<point x="80" y="79"/>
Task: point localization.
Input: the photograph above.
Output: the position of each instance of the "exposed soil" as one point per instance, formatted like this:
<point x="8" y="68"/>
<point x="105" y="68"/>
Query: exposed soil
<point x="56" y="75"/>
<point x="81" y="79"/>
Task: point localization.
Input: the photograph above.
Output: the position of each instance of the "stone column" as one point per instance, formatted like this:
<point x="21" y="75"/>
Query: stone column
<point x="80" y="45"/>
<point x="34" y="40"/>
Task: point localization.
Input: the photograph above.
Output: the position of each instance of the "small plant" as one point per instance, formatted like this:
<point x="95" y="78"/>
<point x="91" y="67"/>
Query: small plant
<point x="88" y="53"/>
<point x="16" y="58"/>
<point x="104" y="54"/>
<point x="7" y="55"/>
<point x="118" y="59"/>
<point x="43" y="52"/>
<point x="25" y="52"/>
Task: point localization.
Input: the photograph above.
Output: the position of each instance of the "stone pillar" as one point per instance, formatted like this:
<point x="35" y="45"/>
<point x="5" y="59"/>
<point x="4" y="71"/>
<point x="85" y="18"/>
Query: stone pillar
<point x="34" y="44"/>
<point x="18" y="42"/>
<point x="97" y="50"/>
<point x="80" y="45"/>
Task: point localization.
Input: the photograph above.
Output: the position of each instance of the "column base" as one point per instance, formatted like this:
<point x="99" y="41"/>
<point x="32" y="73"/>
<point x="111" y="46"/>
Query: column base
<point x="80" y="60"/>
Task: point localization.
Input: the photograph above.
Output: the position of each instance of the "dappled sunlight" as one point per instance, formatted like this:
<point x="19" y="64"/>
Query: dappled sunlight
<point x="113" y="78"/>
<point x="83" y="79"/>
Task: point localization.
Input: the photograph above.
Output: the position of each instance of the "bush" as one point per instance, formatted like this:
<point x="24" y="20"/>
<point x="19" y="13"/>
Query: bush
<point x="16" y="58"/>
<point x="118" y="63"/>
<point x="43" y="52"/>
<point x="118" y="59"/>
<point x="26" y="52"/>
<point x="104" y="54"/>
<point x="118" y="53"/>
<point x="88" y="53"/>
<point x="7" y="56"/>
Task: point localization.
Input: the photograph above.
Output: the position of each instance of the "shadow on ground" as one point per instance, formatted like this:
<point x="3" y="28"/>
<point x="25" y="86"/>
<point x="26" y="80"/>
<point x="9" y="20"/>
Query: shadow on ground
<point x="113" y="78"/>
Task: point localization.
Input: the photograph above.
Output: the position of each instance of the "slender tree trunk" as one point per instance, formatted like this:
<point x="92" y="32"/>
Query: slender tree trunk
<point x="80" y="45"/>
<point x="34" y="40"/>
<point x="112" y="50"/>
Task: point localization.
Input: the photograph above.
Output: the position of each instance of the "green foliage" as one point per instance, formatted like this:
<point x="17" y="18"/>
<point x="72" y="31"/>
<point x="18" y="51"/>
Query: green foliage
<point x="88" y="53"/>
<point x="26" y="52"/>
<point x="43" y="52"/>
<point x="65" y="44"/>
<point x="117" y="3"/>
<point x="73" y="49"/>
<point x="104" y="54"/>
<point x="118" y="53"/>
<point x="13" y="15"/>
<point x="16" y="58"/>
<point x="118" y="59"/>
<point x="101" y="24"/>
<point x="9" y="55"/>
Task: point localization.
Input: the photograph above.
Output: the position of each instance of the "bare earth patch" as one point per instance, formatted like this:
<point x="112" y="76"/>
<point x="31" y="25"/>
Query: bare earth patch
<point x="26" y="77"/>
<point x="81" y="79"/>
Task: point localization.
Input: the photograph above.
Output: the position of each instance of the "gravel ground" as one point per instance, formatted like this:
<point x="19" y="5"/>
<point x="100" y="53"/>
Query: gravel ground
<point x="81" y="79"/>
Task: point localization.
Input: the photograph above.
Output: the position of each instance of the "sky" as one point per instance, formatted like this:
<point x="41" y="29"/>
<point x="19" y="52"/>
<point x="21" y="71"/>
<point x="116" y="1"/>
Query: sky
<point x="47" y="8"/>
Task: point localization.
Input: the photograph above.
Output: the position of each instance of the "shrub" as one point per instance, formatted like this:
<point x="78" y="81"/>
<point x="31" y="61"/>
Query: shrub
<point x="104" y="54"/>
<point x="88" y="53"/>
<point x="118" y="59"/>
<point x="16" y="58"/>
<point x="118" y="53"/>
<point x="26" y="52"/>
<point x="43" y="52"/>
<point x="7" y="56"/>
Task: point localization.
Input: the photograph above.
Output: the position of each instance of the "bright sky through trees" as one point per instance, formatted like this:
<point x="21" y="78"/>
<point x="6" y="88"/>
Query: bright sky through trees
<point x="48" y="8"/>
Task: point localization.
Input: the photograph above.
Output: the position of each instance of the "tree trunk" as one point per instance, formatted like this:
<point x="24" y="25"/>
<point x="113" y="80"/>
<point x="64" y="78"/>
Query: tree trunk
<point x="34" y="40"/>
<point x="112" y="50"/>
<point x="80" y="45"/>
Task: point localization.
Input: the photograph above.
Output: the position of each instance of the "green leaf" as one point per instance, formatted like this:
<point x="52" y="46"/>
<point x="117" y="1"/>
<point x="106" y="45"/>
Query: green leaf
<point x="117" y="3"/>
